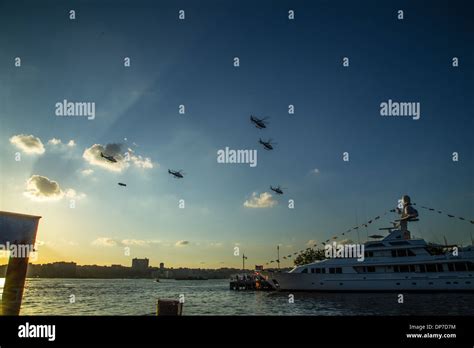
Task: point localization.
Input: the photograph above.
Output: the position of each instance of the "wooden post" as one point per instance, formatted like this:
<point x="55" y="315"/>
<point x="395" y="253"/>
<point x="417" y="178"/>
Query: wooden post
<point x="16" y="230"/>
<point x="14" y="285"/>
<point x="169" y="307"/>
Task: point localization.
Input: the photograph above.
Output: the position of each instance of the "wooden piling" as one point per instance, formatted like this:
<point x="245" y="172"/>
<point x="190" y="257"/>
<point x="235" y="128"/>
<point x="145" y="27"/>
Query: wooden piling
<point x="16" y="230"/>
<point x="169" y="307"/>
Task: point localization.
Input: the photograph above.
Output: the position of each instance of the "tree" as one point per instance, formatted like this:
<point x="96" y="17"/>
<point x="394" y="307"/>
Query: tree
<point x="309" y="256"/>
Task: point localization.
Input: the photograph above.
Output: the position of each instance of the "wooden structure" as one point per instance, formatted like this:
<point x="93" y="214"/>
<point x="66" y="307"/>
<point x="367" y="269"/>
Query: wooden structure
<point x="18" y="235"/>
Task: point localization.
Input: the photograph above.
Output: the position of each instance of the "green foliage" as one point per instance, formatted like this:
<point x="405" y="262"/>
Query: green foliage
<point x="309" y="256"/>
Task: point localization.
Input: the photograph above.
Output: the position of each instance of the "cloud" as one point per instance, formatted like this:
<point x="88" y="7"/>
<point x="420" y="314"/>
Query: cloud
<point x="104" y="242"/>
<point x="264" y="200"/>
<point x="181" y="243"/>
<point x="57" y="143"/>
<point x="40" y="188"/>
<point x="110" y="242"/>
<point x="93" y="156"/>
<point x="72" y="194"/>
<point x="54" y="141"/>
<point x="139" y="161"/>
<point x="139" y="242"/>
<point x="28" y="144"/>
<point x="87" y="172"/>
<point x="315" y="171"/>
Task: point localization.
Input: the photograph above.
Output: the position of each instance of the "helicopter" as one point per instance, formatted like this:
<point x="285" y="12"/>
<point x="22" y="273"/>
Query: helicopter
<point x="259" y="123"/>
<point x="110" y="158"/>
<point x="178" y="174"/>
<point x="278" y="190"/>
<point x="122" y="184"/>
<point x="267" y="145"/>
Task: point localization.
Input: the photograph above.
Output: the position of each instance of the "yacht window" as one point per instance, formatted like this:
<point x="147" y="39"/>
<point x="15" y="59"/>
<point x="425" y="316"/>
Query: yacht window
<point x="402" y="252"/>
<point x="404" y="269"/>
<point x="323" y="270"/>
<point x="451" y="267"/>
<point x="394" y="253"/>
<point x="396" y="269"/>
<point x="460" y="266"/>
<point x="430" y="267"/>
<point x="410" y="253"/>
<point x="375" y="245"/>
<point x="369" y="254"/>
<point x="338" y="270"/>
<point x="304" y="271"/>
<point x="332" y="270"/>
<point x="318" y="270"/>
<point x="370" y="269"/>
<point x="399" y="243"/>
<point x="470" y="266"/>
<point x="412" y="268"/>
<point x="422" y="268"/>
<point x="439" y="267"/>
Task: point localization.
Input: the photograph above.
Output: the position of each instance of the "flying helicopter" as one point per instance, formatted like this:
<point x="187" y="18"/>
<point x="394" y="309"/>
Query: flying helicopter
<point x="178" y="174"/>
<point x="267" y="145"/>
<point x="110" y="158"/>
<point x="259" y="123"/>
<point x="278" y="190"/>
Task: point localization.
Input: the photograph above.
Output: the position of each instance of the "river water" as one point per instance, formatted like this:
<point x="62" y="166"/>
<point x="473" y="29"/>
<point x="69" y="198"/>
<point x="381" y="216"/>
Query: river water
<point x="213" y="297"/>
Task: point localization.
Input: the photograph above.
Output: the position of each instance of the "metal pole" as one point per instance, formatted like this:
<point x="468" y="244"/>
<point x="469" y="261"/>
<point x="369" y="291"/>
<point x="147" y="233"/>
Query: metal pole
<point x="243" y="262"/>
<point x="278" y="255"/>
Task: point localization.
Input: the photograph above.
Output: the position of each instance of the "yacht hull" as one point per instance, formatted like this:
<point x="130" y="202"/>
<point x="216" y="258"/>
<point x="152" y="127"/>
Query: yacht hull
<point x="375" y="283"/>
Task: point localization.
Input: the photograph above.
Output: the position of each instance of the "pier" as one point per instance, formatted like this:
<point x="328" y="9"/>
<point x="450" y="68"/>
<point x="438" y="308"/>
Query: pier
<point x="254" y="282"/>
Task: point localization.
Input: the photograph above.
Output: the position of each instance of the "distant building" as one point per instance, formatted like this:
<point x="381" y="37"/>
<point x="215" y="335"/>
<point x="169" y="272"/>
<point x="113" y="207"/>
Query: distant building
<point x="162" y="265"/>
<point x="140" y="264"/>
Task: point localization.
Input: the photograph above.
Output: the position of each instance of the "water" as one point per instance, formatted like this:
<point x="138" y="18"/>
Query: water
<point x="213" y="297"/>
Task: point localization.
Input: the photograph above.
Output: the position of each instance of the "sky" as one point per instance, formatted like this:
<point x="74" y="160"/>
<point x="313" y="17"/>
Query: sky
<point x="190" y="62"/>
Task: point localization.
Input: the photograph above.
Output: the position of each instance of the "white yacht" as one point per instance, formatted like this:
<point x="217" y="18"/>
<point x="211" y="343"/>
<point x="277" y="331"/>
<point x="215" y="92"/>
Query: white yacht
<point x="394" y="263"/>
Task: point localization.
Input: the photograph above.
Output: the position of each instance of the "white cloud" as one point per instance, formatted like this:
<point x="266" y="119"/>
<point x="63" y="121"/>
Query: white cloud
<point x="71" y="193"/>
<point x="87" y="172"/>
<point x="93" y="156"/>
<point x="139" y="242"/>
<point x="264" y="200"/>
<point x="54" y="141"/>
<point x="104" y="242"/>
<point x="315" y="171"/>
<point x="181" y="243"/>
<point x="58" y="144"/>
<point x="110" y="242"/>
<point x="41" y="189"/>
<point x="28" y="144"/>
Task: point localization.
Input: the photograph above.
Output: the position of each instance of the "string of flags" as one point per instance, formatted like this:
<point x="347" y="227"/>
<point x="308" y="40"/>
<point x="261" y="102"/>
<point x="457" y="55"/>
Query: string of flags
<point x="440" y="212"/>
<point x="366" y="224"/>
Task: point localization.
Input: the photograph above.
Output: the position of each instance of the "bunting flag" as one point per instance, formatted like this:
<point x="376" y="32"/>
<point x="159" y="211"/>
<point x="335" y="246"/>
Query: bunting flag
<point x="449" y="215"/>
<point x="355" y="228"/>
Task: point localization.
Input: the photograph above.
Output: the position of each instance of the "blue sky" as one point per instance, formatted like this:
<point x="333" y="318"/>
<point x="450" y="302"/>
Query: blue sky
<point x="190" y="62"/>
